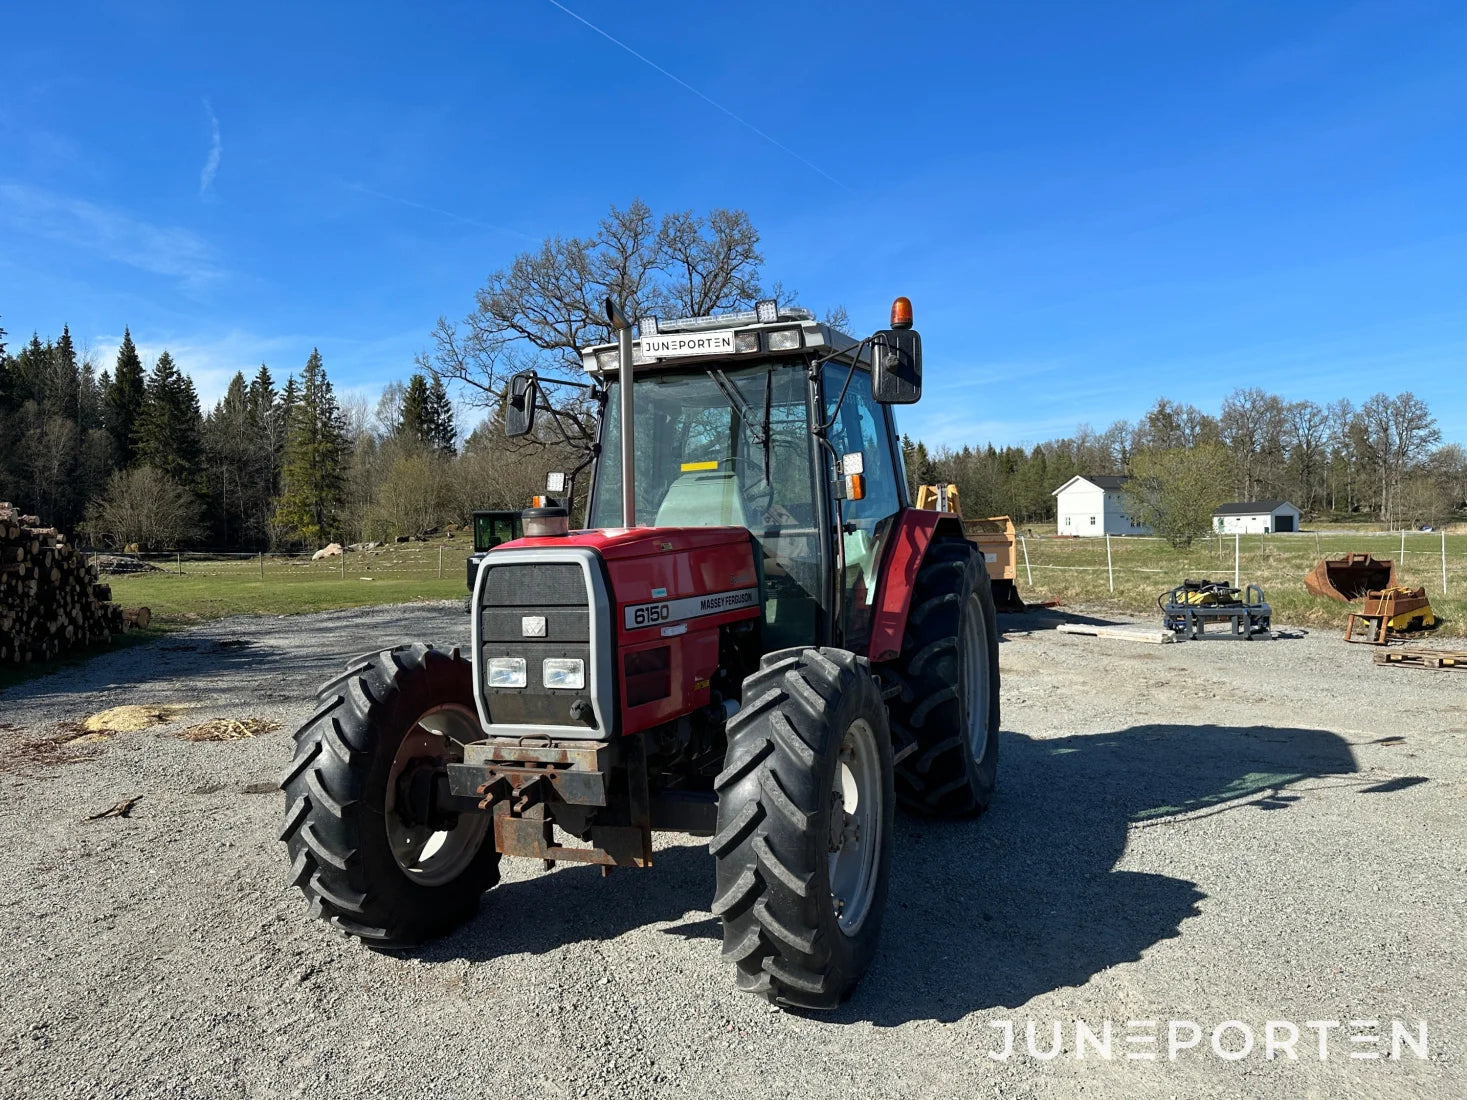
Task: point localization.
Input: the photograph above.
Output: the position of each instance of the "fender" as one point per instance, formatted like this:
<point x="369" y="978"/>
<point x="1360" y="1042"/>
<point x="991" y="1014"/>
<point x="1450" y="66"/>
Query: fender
<point x="912" y="532"/>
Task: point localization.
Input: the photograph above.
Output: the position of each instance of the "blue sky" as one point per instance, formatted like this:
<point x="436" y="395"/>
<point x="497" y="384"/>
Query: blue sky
<point x="1090" y="204"/>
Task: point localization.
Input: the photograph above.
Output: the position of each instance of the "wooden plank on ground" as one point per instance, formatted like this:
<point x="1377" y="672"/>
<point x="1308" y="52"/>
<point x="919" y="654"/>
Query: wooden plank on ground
<point x="1124" y="633"/>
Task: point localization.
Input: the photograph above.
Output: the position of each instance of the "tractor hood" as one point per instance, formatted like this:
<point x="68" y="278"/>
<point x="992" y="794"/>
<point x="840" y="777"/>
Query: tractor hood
<point x="620" y="543"/>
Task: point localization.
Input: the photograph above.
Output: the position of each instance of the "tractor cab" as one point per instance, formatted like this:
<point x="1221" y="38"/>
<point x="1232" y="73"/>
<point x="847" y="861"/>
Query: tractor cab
<point x="768" y="421"/>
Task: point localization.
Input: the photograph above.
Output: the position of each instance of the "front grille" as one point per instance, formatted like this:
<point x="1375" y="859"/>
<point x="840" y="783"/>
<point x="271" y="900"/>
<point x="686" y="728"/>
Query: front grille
<point x="527" y="585"/>
<point x="555" y="592"/>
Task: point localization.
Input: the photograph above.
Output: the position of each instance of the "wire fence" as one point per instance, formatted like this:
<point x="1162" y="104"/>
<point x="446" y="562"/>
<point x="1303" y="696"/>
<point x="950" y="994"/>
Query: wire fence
<point x="1433" y="560"/>
<point x="414" y="560"/>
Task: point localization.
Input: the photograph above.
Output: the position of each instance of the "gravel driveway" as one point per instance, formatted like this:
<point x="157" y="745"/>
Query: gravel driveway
<point x="1205" y="832"/>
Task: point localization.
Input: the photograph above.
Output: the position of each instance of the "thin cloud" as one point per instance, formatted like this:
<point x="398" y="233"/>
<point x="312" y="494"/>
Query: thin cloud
<point x="701" y="95"/>
<point x="216" y="149"/>
<point x="365" y="190"/>
<point x="162" y="250"/>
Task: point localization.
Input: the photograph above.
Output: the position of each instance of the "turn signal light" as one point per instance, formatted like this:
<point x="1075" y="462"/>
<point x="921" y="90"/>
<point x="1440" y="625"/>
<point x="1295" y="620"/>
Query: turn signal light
<point x="855" y="486"/>
<point x="901" y="313"/>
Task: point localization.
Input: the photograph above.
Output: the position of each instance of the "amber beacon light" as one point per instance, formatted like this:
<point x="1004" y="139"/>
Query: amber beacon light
<point x="901" y="313"/>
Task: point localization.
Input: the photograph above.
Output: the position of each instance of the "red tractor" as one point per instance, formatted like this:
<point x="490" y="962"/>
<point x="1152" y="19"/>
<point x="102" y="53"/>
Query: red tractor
<point x="757" y="639"/>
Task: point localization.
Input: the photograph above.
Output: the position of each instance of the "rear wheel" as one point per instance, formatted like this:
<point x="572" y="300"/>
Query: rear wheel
<point x="370" y="845"/>
<point x="948" y="705"/>
<point x="805" y="805"/>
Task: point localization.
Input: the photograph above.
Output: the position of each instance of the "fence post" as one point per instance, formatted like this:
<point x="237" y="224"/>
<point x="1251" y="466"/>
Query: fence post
<point x="1403" y="552"/>
<point x="343" y="563"/>
<point x="262" y="564"/>
<point x="440" y="563"/>
<point x="179" y="555"/>
<point x="1444" y="563"/>
<point x="1237" y="555"/>
<point x="1316" y="544"/>
<point x="1030" y="573"/>
<point x="1110" y="569"/>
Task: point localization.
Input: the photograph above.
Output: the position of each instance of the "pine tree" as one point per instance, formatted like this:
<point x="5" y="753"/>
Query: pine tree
<point x="63" y="382"/>
<point x="124" y="400"/>
<point x="413" y="424"/>
<point x="229" y="446"/>
<point x="8" y="399"/>
<point x="315" y="451"/>
<point x="31" y="367"/>
<point x="167" y="436"/>
<point x="442" y="433"/>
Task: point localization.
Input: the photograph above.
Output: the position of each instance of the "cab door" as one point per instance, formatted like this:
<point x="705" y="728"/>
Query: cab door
<point x="859" y="426"/>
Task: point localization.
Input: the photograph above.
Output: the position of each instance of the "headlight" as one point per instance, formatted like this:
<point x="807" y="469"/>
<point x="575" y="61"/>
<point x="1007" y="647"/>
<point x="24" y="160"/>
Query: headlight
<point x="563" y="672"/>
<point x="506" y="672"/>
<point x="786" y="339"/>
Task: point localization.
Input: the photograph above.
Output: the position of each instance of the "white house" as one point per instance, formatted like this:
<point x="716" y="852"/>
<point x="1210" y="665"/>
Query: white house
<point x="1255" y="517"/>
<point x="1092" y="505"/>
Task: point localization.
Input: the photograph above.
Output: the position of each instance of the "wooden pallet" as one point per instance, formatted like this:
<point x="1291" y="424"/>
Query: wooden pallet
<point x="1446" y="660"/>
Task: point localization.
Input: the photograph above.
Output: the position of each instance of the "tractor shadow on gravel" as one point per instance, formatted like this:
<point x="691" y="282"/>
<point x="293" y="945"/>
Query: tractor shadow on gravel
<point x="982" y="914"/>
<point x="1027" y="899"/>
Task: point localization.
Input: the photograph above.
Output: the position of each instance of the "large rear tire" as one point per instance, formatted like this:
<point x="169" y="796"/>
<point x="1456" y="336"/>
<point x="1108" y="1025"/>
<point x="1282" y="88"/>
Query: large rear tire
<point x="803" y="845"/>
<point x="948" y="704"/>
<point x="368" y="847"/>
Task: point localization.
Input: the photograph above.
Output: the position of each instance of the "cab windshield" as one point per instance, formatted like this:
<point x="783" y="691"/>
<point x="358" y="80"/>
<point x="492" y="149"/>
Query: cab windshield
<point x="727" y="448"/>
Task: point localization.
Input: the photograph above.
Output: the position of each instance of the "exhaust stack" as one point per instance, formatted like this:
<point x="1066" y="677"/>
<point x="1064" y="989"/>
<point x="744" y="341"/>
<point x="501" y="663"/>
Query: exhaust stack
<point x="623" y="327"/>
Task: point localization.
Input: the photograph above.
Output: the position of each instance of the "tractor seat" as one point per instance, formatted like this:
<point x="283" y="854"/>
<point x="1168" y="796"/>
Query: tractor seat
<point x="710" y="499"/>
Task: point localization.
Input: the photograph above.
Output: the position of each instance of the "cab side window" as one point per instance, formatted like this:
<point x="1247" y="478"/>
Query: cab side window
<point x="860" y="426"/>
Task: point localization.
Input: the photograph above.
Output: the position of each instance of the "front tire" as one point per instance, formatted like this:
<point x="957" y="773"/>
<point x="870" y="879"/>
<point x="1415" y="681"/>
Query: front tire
<point x="369" y="848"/>
<point x="805" y="809"/>
<point x="947" y="672"/>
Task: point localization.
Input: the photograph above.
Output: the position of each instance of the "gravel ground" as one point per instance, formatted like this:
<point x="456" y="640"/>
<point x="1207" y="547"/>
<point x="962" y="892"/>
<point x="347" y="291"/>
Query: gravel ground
<point x="1199" y="832"/>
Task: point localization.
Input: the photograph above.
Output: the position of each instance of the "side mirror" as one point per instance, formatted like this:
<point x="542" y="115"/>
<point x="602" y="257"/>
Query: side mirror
<point x="519" y="404"/>
<point x="896" y="366"/>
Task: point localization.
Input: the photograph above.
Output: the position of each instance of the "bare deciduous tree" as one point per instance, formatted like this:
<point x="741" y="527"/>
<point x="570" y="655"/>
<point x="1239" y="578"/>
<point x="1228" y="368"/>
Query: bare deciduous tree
<point x="549" y="302"/>
<point x="144" y="506"/>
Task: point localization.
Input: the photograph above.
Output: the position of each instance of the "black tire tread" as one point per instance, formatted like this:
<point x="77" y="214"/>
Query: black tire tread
<point x="766" y="853"/>
<point x="936" y="775"/>
<point x="327" y="813"/>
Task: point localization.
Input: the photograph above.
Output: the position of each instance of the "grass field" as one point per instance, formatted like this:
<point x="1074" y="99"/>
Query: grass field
<point x="1074" y="570"/>
<point x="194" y="588"/>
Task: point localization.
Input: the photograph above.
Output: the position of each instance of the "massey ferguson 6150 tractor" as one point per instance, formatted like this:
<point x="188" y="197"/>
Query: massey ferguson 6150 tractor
<point x="756" y="639"/>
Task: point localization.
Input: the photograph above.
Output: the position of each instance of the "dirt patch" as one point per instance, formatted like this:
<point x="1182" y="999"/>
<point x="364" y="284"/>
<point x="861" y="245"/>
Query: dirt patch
<point x="228" y="729"/>
<point x="130" y="719"/>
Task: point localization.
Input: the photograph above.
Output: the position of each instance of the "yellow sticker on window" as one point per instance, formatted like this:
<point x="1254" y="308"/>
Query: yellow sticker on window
<point x="689" y="467"/>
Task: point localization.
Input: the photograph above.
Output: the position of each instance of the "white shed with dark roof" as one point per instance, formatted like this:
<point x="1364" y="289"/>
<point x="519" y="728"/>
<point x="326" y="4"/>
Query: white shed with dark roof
<point x="1255" y="517"/>
<point x="1091" y="505"/>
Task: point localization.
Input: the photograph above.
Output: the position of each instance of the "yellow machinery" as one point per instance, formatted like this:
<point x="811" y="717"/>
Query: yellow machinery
<point x="994" y="536"/>
<point x="1389" y="612"/>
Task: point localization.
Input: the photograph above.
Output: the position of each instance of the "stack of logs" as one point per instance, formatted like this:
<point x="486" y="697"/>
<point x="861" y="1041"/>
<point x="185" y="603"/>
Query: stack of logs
<point x="50" y="599"/>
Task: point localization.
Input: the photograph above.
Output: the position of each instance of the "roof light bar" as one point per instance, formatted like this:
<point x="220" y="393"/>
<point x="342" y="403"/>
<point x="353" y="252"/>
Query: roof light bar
<point x="760" y="316"/>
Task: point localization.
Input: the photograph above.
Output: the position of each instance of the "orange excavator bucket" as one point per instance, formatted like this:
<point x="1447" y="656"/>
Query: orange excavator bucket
<point x="1349" y="578"/>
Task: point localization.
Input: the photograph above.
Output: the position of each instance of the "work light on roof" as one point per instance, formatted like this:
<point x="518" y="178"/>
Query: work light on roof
<point x="767" y="311"/>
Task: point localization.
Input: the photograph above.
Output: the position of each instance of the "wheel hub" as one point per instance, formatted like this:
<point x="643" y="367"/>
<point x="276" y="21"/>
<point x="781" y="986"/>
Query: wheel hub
<point x="431" y="847"/>
<point x="855" y="816"/>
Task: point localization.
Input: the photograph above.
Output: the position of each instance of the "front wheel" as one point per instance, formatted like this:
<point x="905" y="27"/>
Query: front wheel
<point x="805" y="808"/>
<point x="372" y="846"/>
